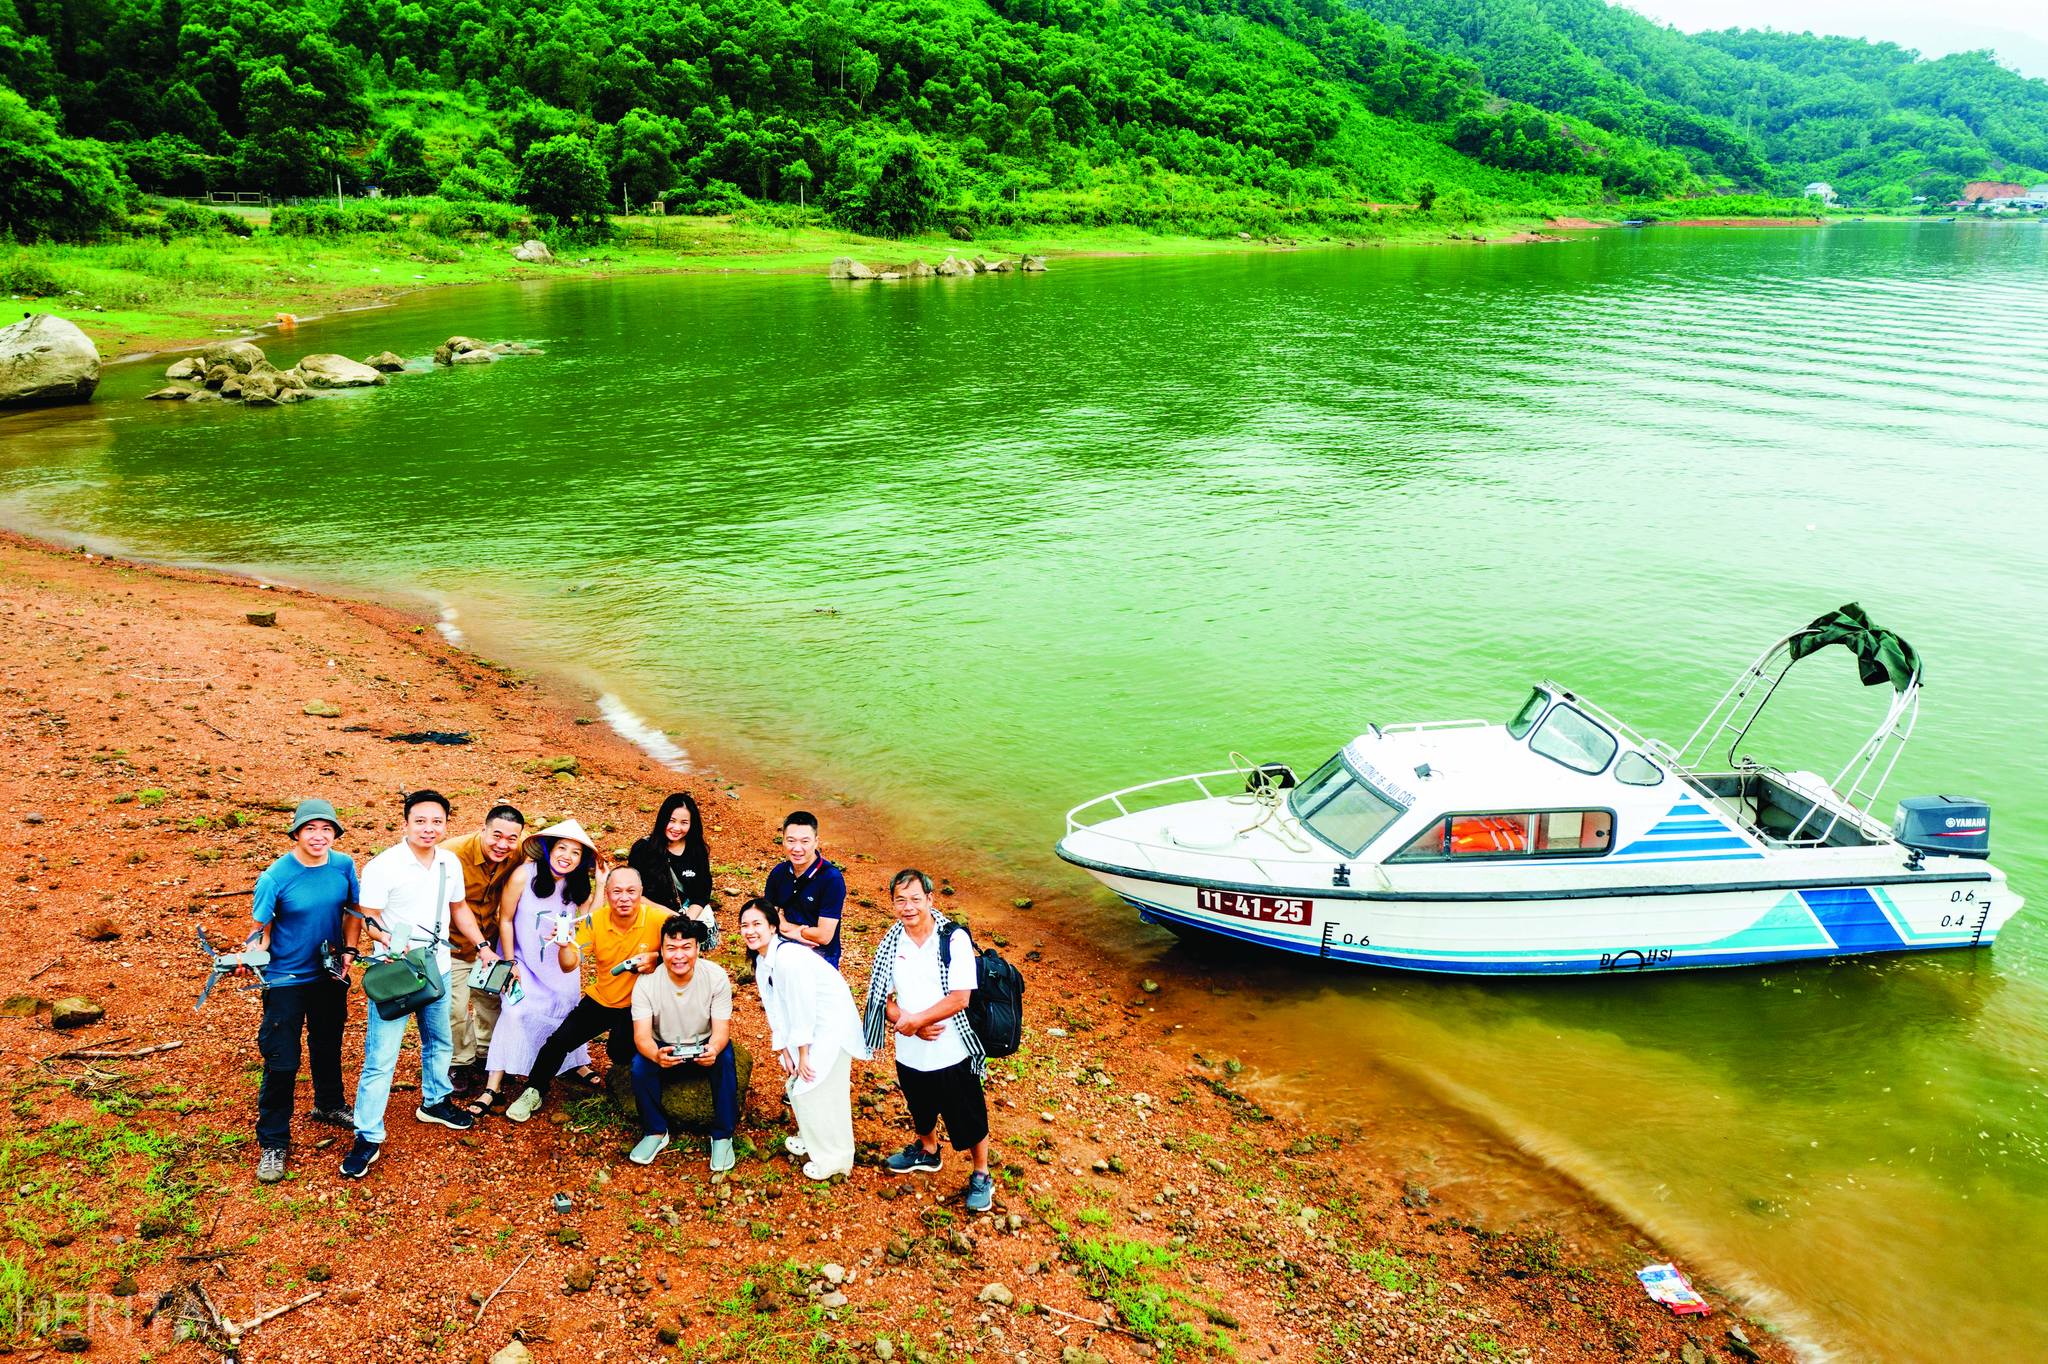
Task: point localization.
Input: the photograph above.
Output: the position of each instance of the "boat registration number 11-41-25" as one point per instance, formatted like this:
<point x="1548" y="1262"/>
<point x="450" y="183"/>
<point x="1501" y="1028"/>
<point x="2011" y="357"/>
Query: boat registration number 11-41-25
<point x="1276" y="909"/>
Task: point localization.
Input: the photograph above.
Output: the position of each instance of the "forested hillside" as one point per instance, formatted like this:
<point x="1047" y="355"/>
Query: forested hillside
<point x="891" y="115"/>
<point x="1872" y="119"/>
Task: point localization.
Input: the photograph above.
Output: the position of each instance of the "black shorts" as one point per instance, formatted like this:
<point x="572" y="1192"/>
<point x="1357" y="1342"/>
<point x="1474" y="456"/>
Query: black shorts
<point x="953" y="1094"/>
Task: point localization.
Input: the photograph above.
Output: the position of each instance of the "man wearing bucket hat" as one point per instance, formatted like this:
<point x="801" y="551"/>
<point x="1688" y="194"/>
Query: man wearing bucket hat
<point x="300" y="902"/>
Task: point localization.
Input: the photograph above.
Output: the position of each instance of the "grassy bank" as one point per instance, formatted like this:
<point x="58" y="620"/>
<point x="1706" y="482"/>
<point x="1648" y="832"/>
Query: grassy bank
<point x="143" y="293"/>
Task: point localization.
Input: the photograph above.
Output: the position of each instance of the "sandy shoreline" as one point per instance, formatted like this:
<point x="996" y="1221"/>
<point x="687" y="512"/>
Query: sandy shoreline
<point x="157" y="735"/>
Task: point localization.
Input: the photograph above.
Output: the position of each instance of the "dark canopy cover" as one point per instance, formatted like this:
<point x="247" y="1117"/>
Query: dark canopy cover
<point x="1881" y="656"/>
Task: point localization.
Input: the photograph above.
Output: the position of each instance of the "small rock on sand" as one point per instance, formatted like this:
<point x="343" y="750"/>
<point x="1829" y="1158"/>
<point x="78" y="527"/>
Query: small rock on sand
<point x="266" y="619"/>
<point x="326" y="710"/>
<point x="73" y="1012"/>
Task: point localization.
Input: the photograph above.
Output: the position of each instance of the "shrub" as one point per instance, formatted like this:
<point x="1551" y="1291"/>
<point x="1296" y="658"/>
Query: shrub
<point x="321" y="219"/>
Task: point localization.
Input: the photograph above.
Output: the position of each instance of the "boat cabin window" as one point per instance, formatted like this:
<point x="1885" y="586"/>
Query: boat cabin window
<point x="1636" y="770"/>
<point x="1542" y="833"/>
<point x="1568" y="736"/>
<point x="1532" y="710"/>
<point x="1342" y="810"/>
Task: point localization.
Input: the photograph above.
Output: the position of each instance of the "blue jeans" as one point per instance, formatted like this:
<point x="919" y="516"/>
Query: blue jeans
<point x="381" y="1037"/>
<point x="725" y="1093"/>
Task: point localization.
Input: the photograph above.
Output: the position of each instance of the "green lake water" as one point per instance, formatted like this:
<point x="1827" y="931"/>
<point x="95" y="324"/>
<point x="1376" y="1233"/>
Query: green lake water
<point x="976" y="550"/>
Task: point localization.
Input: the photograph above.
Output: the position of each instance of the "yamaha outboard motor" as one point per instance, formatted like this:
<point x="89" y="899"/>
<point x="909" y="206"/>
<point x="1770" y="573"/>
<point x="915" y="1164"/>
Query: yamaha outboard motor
<point x="1944" y="826"/>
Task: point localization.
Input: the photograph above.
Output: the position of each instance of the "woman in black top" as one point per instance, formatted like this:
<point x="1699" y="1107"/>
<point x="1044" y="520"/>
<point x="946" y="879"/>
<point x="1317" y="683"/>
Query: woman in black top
<point x="674" y="864"/>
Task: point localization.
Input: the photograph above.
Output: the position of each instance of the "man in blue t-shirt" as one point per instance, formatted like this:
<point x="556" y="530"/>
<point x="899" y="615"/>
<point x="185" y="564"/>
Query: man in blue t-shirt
<point x="808" y="891"/>
<point x="300" y="899"/>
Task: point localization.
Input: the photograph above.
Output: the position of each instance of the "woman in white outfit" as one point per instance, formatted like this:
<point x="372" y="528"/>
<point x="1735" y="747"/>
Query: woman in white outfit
<point x="816" y="1033"/>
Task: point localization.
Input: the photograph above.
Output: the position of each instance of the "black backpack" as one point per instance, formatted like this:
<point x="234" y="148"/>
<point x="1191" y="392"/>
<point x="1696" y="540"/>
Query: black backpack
<point x="996" y="1010"/>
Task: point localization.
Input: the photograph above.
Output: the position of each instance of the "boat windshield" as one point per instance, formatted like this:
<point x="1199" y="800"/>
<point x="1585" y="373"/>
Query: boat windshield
<point x="1340" y="809"/>
<point x="1569" y="736"/>
<point x="1526" y="717"/>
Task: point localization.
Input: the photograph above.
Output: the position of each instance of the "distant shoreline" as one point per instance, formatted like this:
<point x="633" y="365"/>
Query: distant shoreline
<point x="199" y="291"/>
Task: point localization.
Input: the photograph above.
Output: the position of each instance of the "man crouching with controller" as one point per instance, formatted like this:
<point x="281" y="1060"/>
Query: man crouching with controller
<point x="682" y="1016"/>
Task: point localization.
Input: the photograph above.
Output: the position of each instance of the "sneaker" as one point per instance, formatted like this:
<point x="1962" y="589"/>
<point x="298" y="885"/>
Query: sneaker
<point x="270" y="1165"/>
<point x="525" y="1106"/>
<point x="722" y="1156"/>
<point x="981" y="1191"/>
<point x="446" y="1114"/>
<point x="795" y="1146"/>
<point x="650" y="1146"/>
<point x="914" y="1159"/>
<point x="336" y="1117"/>
<point x="360" y="1158"/>
<point x="818" y="1173"/>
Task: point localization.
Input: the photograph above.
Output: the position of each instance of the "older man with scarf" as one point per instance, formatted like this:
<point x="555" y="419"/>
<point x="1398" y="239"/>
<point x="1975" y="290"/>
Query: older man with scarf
<point x="924" y="977"/>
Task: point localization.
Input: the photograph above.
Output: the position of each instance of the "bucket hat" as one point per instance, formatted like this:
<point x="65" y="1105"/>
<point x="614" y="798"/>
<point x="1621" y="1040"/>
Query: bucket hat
<point x="310" y="810"/>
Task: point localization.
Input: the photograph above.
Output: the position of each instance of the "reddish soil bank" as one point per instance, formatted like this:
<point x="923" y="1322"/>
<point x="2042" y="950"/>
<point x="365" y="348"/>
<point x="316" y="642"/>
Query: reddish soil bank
<point x="1147" y="1206"/>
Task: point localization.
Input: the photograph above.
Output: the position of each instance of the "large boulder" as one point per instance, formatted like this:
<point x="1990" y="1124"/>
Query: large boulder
<point x="44" y="359"/>
<point x="191" y="367"/>
<point x="384" y="362"/>
<point x="1033" y="265"/>
<point x="260" y="389"/>
<point x="686" y="1093"/>
<point x="486" y="356"/>
<point x="242" y="355"/>
<point x="846" y="267"/>
<point x="918" y="269"/>
<point x="216" y="375"/>
<point x="949" y="267"/>
<point x="337" y="371"/>
<point x="176" y="393"/>
<point x="231" y="387"/>
<point x="533" y="252"/>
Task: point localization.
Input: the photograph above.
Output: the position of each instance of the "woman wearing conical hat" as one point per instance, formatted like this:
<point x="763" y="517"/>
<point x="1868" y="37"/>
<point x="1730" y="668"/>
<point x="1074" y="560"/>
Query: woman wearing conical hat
<point x="543" y="902"/>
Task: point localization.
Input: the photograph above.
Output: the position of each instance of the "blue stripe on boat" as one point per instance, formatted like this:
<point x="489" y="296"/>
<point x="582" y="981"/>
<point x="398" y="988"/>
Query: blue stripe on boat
<point x="1853" y="918"/>
<point x="1691" y="826"/>
<point x="1715" y="843"/>
<point x="1687" y="857"/>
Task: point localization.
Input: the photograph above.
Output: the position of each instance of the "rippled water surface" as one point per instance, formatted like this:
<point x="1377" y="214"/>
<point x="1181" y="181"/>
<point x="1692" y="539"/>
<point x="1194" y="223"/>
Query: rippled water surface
<point x="979" y="549"/>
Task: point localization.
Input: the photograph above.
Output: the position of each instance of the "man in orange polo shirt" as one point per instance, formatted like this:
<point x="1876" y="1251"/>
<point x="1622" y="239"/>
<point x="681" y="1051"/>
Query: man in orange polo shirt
<point x="619" y="946"/>
<point x="487" y="858"/>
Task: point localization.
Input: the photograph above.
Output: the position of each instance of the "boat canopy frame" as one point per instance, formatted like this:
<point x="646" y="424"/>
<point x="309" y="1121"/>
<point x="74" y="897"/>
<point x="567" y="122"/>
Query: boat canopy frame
<point x="1881" y="656"/>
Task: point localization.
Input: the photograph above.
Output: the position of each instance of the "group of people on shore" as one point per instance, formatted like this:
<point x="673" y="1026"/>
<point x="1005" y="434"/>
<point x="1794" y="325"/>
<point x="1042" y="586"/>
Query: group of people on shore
<point x="541" y="946"/>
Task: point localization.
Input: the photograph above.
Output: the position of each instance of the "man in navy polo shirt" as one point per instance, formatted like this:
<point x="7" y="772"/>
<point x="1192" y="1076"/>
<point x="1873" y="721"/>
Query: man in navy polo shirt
<point x="809" y="891"/>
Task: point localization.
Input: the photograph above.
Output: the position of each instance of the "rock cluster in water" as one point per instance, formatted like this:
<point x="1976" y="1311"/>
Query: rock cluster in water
<point x="44" y="359"/>
<point x="238" y="371"/>
<point x="846" y="267"/>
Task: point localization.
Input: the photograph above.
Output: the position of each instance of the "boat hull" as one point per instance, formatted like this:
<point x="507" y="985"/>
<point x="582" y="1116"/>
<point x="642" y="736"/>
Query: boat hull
<point x="1656" y="928"/>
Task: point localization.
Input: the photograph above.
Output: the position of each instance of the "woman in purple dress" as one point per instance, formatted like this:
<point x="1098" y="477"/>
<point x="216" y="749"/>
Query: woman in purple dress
<point x="538" y="914"/>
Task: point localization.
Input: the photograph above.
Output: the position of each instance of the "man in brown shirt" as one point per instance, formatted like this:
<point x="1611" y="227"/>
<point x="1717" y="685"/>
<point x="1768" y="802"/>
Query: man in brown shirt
<point x="487" y="857"/>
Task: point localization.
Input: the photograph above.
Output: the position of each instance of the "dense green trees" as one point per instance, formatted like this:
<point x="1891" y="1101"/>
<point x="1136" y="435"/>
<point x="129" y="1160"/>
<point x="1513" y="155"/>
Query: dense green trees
<point x="895" y="114"/>
<point x="51" y="186"/>
<point x="1754" y="109"/>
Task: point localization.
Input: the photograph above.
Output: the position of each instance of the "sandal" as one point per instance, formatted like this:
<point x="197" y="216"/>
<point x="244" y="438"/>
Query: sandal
<point x="588" y="1078"/>
<point x="485" y="1100"/>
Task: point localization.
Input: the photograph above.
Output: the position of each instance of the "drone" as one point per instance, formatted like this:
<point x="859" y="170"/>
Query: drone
<point x="250" y="960"/>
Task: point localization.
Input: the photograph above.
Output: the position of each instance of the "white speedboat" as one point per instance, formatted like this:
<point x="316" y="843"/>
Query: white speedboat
<point x="1564" y="842"/>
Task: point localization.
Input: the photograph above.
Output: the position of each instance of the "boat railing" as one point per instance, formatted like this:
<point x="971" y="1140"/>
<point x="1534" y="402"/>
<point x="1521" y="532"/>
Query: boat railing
<point x="1417" y="726"/>
<point x="1198" y="780"/>
<point x="1271" y="865"/>
<point x="1854" y="791"/>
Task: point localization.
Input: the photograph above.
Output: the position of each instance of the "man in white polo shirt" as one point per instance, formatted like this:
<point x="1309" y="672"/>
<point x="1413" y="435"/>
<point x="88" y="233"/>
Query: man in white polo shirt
<point x="921" y="1001"/>
<point x="412" y="893"/>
